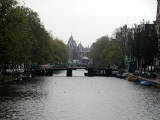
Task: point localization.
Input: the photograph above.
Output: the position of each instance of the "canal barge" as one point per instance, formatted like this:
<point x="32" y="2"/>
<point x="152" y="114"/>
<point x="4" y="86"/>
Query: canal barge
<point x="98" y="72"/>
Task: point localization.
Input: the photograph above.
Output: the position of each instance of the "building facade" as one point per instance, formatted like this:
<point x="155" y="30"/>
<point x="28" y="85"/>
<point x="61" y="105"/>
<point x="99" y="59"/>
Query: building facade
<point x="158" y="23"/>
<point x="157" y="27"/>
<point x="77" y="53"/>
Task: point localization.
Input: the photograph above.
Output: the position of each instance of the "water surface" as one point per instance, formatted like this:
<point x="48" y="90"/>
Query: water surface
<point x="78" y="98"/>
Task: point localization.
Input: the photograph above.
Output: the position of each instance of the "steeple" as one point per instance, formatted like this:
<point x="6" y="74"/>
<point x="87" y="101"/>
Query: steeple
<point x="72" y="43"/>
<point x="80" y="47"/>
<point x="71" y="37"/>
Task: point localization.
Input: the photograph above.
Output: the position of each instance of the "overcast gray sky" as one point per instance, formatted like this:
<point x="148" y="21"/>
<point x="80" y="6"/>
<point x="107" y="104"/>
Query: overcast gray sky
<point x="88" y="20"/>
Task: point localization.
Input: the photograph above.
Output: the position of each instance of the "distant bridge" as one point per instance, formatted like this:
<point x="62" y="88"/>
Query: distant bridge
<point x="91" y="71"/>
<point x="49" y="71"/>
<point x="71" y="68"/>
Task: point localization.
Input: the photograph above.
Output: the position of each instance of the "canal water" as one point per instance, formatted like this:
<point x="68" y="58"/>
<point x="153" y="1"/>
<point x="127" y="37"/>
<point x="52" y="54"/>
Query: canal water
<point x="78" y="98"/>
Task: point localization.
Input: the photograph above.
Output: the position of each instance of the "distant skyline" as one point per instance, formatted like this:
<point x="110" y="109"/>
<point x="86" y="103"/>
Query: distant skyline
<point x="88" y="20"/>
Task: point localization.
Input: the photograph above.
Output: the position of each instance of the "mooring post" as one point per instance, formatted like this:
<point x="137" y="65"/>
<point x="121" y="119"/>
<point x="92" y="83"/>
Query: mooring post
<point x="69" y="72"/>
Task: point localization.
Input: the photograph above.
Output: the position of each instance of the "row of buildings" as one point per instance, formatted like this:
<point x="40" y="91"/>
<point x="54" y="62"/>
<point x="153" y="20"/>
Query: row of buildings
<point x="142" y="42"/>
<point x="77" y="53"/>
<point x="80" y="54"/>
<point x="156" y="26"/>
<point x="157" y="23"/>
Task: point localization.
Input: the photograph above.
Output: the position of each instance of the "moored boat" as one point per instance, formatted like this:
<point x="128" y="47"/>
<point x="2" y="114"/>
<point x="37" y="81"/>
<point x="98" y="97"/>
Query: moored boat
<point x="146" y="83"/>
<point x="132" y="78"/>
<point x="23" y="77"/>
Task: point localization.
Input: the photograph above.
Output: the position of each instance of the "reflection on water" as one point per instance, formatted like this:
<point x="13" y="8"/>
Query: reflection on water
<point x="75" y="73"/>
<point x="78" y="98"/>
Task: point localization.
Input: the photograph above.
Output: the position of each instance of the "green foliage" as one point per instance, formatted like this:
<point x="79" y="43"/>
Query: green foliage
<point x="106" y="52"/>
<point x="24" y="39"/>
<point x="144" y="45"/>
<point x="97" y="50"/>
<point x="112" y="53"/>
<point x="137" y="44"/>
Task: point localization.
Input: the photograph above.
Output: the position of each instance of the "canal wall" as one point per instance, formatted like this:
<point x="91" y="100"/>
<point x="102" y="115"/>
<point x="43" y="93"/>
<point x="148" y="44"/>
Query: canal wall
<point x="155" y="82"/>
<point x="6" y="79"/>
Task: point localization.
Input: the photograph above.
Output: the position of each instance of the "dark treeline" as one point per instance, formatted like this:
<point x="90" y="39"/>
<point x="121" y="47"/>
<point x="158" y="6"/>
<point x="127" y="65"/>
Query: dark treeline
<point x="24" y="39"/>
<point x="106" y="51"/>
<point x="137" y="44"/>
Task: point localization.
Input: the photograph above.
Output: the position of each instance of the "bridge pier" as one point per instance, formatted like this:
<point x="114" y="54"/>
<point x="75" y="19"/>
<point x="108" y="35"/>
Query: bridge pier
<point x="69" y="72"/>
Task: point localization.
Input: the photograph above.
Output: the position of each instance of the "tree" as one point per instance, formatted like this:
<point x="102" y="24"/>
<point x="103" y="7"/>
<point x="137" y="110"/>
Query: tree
<point x="106" y="52"/>
<point x="24" y="39"/>
<point x="112" y="53"/>
<point x="97" y="50"/>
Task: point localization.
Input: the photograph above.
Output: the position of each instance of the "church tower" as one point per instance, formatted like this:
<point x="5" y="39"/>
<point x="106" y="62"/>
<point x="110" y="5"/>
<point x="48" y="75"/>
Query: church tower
<point x="72" y="45"/>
